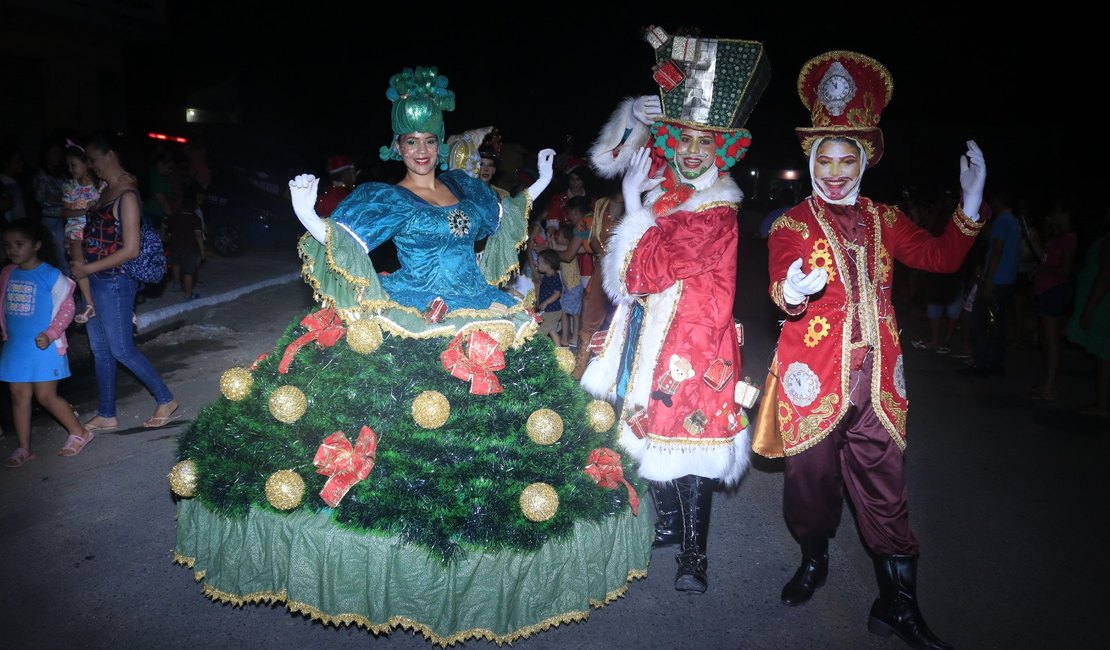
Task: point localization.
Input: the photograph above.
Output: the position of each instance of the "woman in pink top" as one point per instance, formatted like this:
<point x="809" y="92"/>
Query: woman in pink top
<point x="1052" y="290"/>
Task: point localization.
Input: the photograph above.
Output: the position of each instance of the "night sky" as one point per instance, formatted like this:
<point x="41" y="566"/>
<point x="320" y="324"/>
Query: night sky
<point x="317" y="78"/>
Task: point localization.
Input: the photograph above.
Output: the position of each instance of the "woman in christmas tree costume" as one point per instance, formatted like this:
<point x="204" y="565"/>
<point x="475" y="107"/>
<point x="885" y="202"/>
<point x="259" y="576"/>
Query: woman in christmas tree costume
<point x="411" y="455"/>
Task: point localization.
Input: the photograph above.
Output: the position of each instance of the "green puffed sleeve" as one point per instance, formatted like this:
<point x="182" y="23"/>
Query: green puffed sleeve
<point x="340" y="272"/>
<point x="499" y="258"/>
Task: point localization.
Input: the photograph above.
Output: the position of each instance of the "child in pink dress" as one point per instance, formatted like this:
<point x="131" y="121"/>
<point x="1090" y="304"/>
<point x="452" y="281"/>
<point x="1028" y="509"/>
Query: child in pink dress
<point x="78" y="193"/>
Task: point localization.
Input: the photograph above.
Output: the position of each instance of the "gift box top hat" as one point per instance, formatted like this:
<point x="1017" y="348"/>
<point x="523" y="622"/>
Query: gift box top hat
<point x="845" y="93"/>
<point x="709" y="84"/>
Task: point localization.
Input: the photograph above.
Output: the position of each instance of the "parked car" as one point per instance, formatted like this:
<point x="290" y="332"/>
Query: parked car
<point x="247" y="209"/>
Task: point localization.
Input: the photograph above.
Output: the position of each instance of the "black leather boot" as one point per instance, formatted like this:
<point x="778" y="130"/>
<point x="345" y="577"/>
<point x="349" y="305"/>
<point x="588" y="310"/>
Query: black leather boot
<point x="695" y="497"/>
<point x="668" y="518"/>
<point x="896" y="611"/>
<point x="812" y="573"/>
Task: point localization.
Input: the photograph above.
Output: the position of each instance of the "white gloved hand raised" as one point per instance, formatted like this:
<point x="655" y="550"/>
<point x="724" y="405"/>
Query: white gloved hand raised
<point x="973" y="176"/>
<point x="646" y="108"/>
<point x="302" y="192"/>
<point x="798" y="285"/>
<point x="544" y="161"/>
<point x="636" y="181"/>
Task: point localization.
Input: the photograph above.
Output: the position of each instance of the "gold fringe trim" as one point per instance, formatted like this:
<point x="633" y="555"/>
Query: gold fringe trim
<point x="790" y="224"/>
<point x="339" y="620"/>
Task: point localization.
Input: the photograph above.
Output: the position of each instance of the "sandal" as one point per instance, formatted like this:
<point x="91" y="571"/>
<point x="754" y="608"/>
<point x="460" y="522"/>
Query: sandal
<point x="160" y="421"/>
<point x="74" y="444"/>
<point x="18" y="457"/>
<point x="84" y="316"/>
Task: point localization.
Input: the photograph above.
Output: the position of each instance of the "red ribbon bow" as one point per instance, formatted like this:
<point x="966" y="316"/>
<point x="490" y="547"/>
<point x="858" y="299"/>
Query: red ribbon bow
<point x="482" y="357"/>
<point x="346" y="465"/>
<point x="605" y="469"/>
<point x="325" y="327"/>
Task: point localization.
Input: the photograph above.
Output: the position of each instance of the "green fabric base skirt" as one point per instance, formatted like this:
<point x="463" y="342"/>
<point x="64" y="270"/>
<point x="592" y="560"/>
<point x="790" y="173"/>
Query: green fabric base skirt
<point x="342" y="577"/>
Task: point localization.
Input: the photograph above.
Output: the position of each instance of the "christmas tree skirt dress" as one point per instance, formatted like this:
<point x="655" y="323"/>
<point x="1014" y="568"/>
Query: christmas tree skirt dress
<point x="456" y="482"/>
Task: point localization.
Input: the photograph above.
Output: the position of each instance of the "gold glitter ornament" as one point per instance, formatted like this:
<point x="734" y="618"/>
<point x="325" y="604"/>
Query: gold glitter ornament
<point x="539" y="502"/>
<point x="288" y="404"/>
<point x="565" y="358"/>
<point x="236" y="383"/>
<point x="430" y="409"/>
<point x="183" y="479"/>
<point x="364" y="336"/>
<point x="601" y="415"/>
<point x="545" y="427"/>
<point x="285" y="489"/>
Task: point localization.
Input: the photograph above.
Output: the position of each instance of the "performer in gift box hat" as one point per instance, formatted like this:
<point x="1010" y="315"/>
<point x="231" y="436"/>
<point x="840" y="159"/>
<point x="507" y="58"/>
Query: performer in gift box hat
<point x="671" y="356"/>
<point x="835" y="401"/>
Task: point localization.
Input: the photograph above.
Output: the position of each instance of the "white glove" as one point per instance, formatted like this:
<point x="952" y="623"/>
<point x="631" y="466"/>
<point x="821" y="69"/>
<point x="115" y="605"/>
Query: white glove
<point x="636" y="181"/>
<point x="973" y="176"/>
<point x="646" y="108"/>
<point x="798" y="285"/>
<point x="544" y="161"/>
<point x="302" y="192"/>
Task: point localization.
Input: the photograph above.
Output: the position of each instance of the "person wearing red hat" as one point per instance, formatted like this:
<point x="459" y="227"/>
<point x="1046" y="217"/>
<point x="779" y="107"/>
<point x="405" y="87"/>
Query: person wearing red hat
<point x="837" y="391"/>
<point x="671" y="356"/>
<point x="344" y="177"/>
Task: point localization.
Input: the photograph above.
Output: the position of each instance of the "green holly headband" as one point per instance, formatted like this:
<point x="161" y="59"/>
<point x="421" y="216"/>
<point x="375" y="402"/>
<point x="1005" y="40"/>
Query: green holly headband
<point x="419" y="99"/>
<point x="731" y="145"/>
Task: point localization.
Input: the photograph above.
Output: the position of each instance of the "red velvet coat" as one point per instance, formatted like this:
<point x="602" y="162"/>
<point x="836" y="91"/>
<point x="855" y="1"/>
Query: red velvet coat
<point x="814" y="351"/>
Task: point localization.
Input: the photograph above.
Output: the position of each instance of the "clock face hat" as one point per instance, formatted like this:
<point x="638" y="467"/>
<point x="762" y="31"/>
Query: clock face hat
<point x="845" y="93"/>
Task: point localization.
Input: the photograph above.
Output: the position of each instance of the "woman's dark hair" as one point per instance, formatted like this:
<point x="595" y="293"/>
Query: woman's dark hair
<point x="106" y="141"/>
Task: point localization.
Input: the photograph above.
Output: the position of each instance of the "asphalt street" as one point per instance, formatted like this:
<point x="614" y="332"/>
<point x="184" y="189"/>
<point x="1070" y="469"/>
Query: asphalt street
<point x="1006" y="497"/>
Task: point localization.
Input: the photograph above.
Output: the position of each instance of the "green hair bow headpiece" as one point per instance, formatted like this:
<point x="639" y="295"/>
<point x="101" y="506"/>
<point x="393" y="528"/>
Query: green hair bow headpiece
<point x="419" y="99"/>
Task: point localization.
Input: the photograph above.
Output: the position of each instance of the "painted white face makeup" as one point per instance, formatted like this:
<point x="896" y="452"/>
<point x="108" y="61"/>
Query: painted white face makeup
<point x="836" y="167"/>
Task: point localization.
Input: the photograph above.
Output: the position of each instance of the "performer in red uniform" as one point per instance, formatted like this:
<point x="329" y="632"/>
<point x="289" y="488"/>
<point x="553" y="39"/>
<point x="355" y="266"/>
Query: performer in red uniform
<point x="840" y="403"/>
<point x="344" y="177"/>
<point x="672" y="354"/>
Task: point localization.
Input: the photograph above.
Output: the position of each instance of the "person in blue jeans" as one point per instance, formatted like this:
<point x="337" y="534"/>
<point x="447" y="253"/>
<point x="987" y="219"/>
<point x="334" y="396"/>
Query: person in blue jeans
<point x="989" y="336"/>
<point x="111" y="239"/>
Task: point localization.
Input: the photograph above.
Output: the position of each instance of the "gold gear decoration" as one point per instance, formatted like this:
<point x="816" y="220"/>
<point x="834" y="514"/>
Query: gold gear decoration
<point x="183" y="479"/>
<point x="364" y="336"/>
<point x="818" y="329"/>
<point x="287" y="404"/>
<point x="565" y="358"/>
<point x="430" y="409"/>
<point x="600" y="415"/>
<point x="539" y="502"/>
<point x="545" y="427"/>
<point x="285" y="489"/>
<point x="822" y="258"/>
<point x="236" y="383"/>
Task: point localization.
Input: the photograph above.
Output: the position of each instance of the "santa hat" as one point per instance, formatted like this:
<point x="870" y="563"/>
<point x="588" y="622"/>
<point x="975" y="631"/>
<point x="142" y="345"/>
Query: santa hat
<point x="337" y="164"/>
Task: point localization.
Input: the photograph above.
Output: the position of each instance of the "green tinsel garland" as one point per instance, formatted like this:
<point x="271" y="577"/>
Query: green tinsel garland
<point x="449" y="489"/>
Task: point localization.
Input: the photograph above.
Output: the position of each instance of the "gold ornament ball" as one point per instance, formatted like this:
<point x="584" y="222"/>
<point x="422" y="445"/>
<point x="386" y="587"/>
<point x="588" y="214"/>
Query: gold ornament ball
<point x="539" y="502"/>
<point x="430" y="409"/>
<point x="288" y="404"/>
<point x="364" y="336"/>
<point x="236" y="383"/>
<point x="565" y="358"/>
<point x="183" y="479"/>
<point x="601" y="415"/>
<point x="285" y="489"/>
<point x="545" y="427"/>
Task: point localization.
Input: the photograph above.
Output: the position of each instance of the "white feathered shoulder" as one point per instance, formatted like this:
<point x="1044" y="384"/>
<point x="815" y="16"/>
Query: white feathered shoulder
<point x="611" y="151"/>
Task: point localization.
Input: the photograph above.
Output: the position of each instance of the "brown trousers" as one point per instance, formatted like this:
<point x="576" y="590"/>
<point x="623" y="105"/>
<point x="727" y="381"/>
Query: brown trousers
<point x="858" y="457"/>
